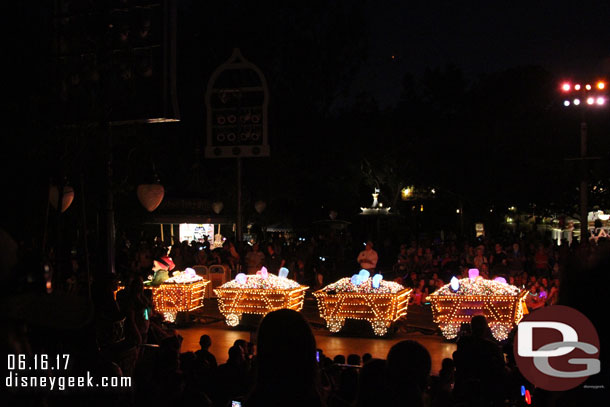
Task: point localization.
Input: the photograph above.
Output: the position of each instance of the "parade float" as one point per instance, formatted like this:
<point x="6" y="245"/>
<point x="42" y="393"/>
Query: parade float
<point x="183" y="292"/>
<point x="375" y="300"/>
<point x="454" y="304"/>
<point x="258" y="293"/>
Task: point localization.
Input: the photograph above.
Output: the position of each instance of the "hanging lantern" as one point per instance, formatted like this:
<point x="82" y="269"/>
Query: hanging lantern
<point x="150" y="195"/>
<point x="66" y="200"/>
<point x="260" y="206"/>
<point x="217" y="207"/>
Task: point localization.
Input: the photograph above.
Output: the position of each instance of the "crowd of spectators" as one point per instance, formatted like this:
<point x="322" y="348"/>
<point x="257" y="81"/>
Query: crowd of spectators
<point x="284" y="367"/>
<point x="535" y="266"/>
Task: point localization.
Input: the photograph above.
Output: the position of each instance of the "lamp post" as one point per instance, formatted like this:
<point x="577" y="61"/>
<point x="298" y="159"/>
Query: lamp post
<point x="584" y="97"/>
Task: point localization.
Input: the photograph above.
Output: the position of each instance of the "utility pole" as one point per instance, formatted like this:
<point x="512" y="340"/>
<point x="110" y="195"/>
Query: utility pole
<point x="584" y="187"/>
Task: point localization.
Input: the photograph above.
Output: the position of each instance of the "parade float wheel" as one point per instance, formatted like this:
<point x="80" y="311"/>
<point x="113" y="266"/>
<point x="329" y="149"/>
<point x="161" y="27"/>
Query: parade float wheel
<point x="335" y="324"/>
<point x="500" y="331"/>
<point x="380" y="327"/>
<point x="232" y="319"/>
<point x="170" y="316"/>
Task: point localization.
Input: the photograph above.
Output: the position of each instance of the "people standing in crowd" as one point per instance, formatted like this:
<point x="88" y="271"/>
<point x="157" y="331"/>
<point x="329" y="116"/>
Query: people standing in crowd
<point x="286" y="366"/>
<point x="273" y="260"/>
<point x="232" y="378"/>
<point x="541" y="261"/>
<point x="479" y="366"/>
<point x="367" y="259"/>
<point x="498" y="261"/>
<point x="204" y="355"/>
<point x="480" y="259"/>
<point x="402" y="261"/>
<point x="255" y="259"/>
<point x="408" y="371"/>
<point x="515" y="260"/>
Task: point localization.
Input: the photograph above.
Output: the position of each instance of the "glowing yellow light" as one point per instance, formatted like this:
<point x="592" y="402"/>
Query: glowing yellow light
<point x="175" y="298"/>
<point x="233" y="302"/>
<point x="421" y="207"/>
<point x="501" y="304"/>
<point x="406" y="193"/>
<point x="601" y="85"/>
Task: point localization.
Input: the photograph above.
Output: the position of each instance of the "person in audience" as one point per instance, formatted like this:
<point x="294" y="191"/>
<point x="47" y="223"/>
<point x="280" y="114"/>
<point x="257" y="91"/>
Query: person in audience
<point x="255" y="259"/>
<point x="371" y="391"/>
<point x="286" y="366"/>
<point x="204" y="355"/>
<point x="532" y="299"/>
<point x="479" y="366"/>
<point x="353" y="359"/>
<point x="232" y="378"/>
<point x="408" y="371"/>
<point x="367" y="259"/>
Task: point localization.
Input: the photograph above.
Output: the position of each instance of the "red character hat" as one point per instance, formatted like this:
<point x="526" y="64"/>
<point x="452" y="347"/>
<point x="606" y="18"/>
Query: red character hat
<point x="165" y="263"/>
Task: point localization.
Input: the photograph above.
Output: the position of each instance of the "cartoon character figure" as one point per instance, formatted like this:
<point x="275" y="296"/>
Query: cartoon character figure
<point x="162" y="266"/>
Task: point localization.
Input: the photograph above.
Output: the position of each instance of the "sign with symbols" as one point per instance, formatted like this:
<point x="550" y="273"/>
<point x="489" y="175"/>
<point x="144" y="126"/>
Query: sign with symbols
<point x="236" y="100"/>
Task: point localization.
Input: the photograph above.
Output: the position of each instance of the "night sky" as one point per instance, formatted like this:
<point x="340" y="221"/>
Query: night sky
<point x="445" y="94"/>
<point x="565" y="37"/>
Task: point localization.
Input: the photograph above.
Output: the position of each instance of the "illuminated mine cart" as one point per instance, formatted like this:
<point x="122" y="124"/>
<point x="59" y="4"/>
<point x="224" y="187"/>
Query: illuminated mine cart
<point x="379" y="309"/>
<point x="170" y="299"/>
<point x="233" y="302"/>
<point x="503" y="312"/>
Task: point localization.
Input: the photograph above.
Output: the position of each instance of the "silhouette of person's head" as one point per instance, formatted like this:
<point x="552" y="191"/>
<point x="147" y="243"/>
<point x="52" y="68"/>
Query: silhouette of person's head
<point x="353" y="359"/>
<point x="205" y="342"/>
<point x="371" y="391"/>
<point x="479" y="326"/>
<point x="286" y="360"/>
<point x="339" y="359"/>
<point x="236" y="355"/>
<point x="408" y="362"/>
<point x="366" y="357"/>
<point x="242" y="344"/>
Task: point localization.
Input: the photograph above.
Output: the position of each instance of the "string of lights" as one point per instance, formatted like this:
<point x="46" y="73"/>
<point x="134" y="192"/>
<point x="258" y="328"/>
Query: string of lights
<point x="258" y="294"/>
<point x="380" y="306"/>
<point x="456" y="303"/>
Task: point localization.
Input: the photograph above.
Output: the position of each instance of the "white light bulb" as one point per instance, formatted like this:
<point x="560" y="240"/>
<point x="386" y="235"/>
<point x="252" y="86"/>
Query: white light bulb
<point x="566" y="103"/>
<point x="576" y="102"/>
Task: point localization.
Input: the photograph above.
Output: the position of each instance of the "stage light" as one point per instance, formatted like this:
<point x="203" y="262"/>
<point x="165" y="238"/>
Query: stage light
<point x="590" y="101"/>
<point x="576" y="102"/>
<point x="577" y="87"/>
<point x="601" y="85"/>
<point x="588" y="87"/>
<point x="601" y="101"/>
<point x="566" y="87"/>
<point x="566" y="103"/>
